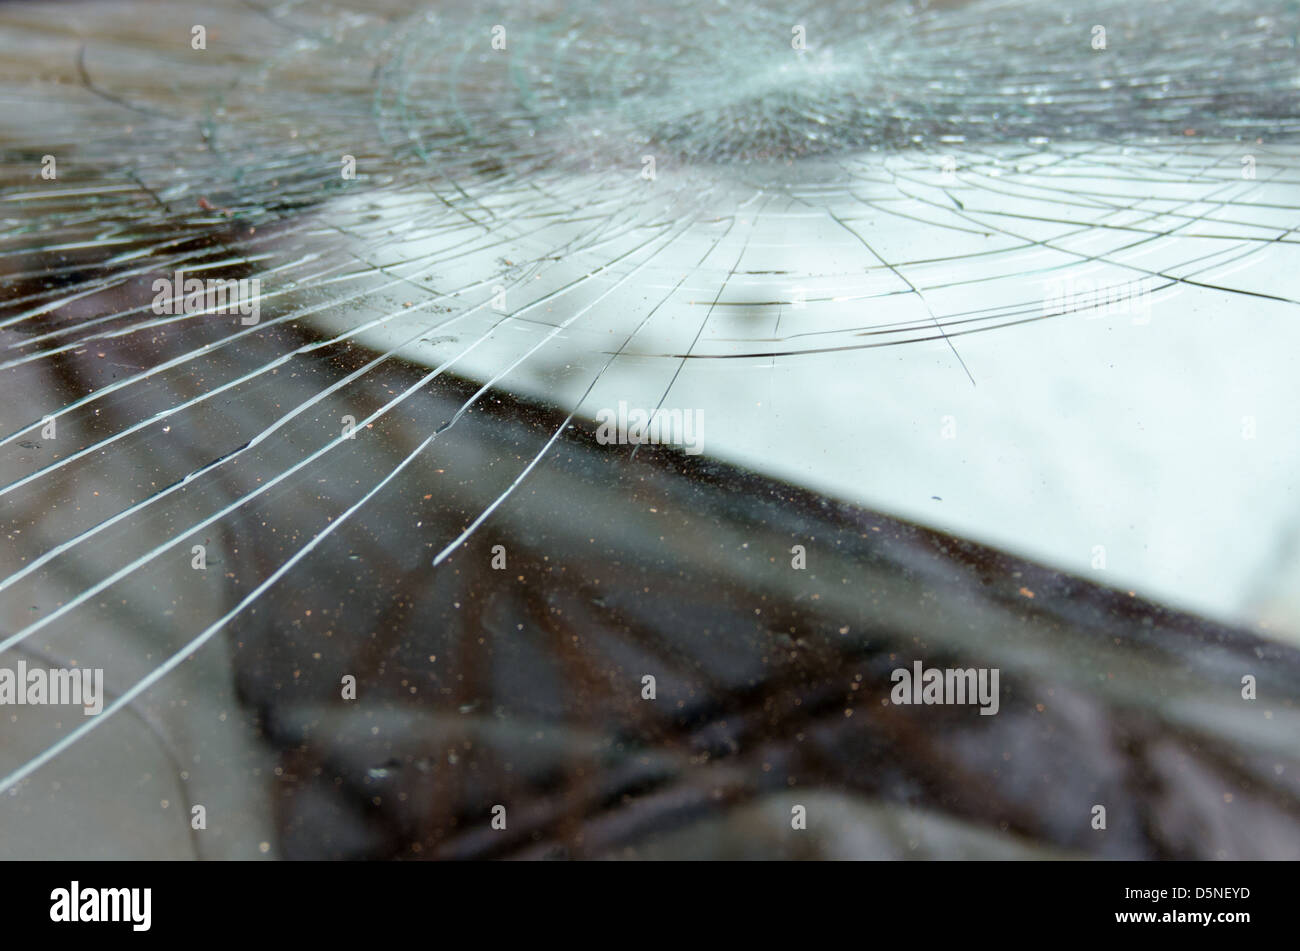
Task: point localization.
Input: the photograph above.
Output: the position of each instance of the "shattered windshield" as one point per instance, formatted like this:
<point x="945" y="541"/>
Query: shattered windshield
<point x="548" y="430"/>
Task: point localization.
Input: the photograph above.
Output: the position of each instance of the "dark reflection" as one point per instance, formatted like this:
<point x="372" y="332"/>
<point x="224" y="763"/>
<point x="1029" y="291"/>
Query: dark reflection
<point x="523" y="686"/>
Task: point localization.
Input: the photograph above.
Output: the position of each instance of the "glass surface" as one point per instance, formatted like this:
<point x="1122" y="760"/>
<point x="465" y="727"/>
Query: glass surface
<point x="969" y="343"/>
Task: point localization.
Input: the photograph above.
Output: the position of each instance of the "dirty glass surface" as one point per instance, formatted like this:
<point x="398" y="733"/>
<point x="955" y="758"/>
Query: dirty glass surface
<point x="966" y="331"/>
